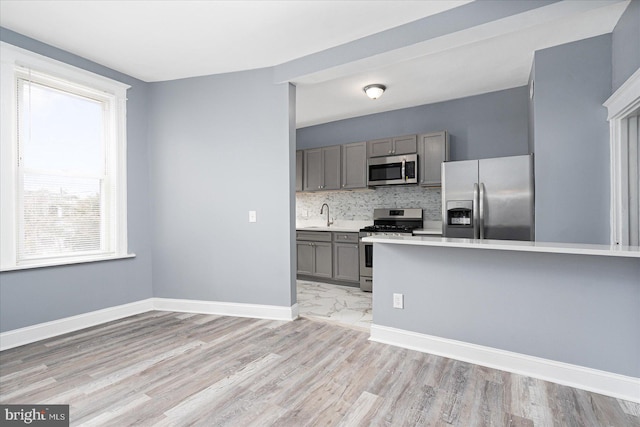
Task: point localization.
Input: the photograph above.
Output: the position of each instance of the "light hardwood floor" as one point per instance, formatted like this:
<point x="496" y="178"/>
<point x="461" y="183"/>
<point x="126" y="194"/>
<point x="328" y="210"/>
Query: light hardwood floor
<point x="173" y="369"/>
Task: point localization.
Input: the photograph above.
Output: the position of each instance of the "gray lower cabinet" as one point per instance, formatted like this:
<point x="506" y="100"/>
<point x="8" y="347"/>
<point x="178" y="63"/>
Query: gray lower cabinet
<point x="346" y="257"/>
<point x="314" y="253"/>
<point x="328" y="255"/>
<point x="305" y="258"/>
<point x="314" y="259"/>
<point x="433" y="149"/>
<point x="354" y="165"/>
<point x="323" y="264"/>
<point x="321" y="168"/>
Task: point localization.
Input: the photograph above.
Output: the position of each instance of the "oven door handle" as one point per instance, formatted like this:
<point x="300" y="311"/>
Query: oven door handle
<point x="404" y="176"/>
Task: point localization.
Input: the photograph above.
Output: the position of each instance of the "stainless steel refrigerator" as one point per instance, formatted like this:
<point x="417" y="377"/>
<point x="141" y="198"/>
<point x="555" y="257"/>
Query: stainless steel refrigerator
<point x="488" y="198"/>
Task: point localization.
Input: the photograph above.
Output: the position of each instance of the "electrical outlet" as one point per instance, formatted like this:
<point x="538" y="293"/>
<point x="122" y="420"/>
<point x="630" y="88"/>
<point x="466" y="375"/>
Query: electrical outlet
<point x="398" y="301"/>
<point x="252" y="216"/>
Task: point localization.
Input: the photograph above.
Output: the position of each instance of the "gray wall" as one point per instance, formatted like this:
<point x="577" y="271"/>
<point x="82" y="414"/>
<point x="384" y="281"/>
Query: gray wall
<point x="220" y="147"/>
<point x="571" y="142"/>
<point x="245" y="116"/>
<point x="578" y="309"/>
<point x="489" y="125"/>
<point x="626" y="45"/>
<point x="34" y="296"/>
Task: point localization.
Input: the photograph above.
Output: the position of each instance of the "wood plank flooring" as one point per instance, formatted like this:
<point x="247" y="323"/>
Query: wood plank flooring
<point x="176" y="369"/>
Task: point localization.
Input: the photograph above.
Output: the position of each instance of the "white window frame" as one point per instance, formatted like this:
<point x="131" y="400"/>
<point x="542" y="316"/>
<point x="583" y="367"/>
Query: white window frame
<point x="13" y="62"/>
<point x="623" y="102"/>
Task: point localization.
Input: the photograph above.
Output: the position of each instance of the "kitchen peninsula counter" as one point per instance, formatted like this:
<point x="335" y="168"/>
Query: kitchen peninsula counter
<point x="511" y="245"/>
<point x="567" y="313"/>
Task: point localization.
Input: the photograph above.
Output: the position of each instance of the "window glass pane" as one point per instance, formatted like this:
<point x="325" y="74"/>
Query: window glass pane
<point x="61" y="215"/>
<point x="60" y="131"/>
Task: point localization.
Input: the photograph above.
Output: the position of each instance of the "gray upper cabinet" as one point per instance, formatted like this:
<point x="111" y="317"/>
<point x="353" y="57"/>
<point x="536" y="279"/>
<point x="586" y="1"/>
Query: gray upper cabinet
<point x="313" y="171"/>
<point x="433" y="149"/>
<point x="299" y="169"/>
<point x="405" y="144"/>
<point x="321" y="168"/>
<point x="354" y="165"/>
<point x="379" y="147"/>
<point x="331" y="165"/>
<point x="392" y="146"/>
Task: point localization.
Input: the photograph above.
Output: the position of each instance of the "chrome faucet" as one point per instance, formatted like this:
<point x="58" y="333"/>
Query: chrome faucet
<point x="322" y="211"/>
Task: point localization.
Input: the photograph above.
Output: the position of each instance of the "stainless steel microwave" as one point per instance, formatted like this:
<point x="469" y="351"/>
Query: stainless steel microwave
<point x="393" y="170"/>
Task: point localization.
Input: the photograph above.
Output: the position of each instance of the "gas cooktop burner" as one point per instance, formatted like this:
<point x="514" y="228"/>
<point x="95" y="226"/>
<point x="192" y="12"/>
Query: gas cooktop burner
<point x="396" y="220"/>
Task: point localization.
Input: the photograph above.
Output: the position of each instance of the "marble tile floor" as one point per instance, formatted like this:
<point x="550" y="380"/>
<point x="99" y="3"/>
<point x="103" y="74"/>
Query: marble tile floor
<point x="343" y="305"/>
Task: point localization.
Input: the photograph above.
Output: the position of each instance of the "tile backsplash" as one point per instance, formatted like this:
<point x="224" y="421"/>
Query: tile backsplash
<point x="358" y="205"/>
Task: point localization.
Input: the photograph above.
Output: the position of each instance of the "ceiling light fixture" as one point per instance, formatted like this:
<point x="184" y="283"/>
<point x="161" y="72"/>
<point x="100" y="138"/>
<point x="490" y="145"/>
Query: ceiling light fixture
<point x="374" y="91"/>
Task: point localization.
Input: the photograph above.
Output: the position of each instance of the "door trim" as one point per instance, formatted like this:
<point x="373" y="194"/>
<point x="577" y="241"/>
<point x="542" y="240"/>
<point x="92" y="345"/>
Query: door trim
<point x="619" y="106"/>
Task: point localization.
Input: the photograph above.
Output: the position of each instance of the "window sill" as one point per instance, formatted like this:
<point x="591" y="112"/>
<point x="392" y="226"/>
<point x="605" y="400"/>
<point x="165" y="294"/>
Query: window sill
<point x="71" y="261"/>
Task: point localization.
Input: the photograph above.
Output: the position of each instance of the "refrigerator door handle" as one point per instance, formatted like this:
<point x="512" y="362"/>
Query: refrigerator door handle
<point x="481" y="197"/>
<point x="475" y="211"/>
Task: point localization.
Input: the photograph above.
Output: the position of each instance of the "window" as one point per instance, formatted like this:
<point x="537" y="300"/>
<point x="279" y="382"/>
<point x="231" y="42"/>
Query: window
<point x="63" y="163"/>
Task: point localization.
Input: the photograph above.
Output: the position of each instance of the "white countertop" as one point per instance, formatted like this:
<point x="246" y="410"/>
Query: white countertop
<point x="338" y="226"/>
<point x="511" y="245"/>
<point x="331" y="228"/>
<point x="427" y="232"/>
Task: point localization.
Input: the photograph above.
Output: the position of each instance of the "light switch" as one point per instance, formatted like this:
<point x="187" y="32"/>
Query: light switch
<point x="252" y="216"/>
<point x="398" y="301"/>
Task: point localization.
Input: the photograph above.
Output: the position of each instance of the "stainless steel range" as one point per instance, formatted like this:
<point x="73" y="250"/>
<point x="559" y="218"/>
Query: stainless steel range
<point x="386" y="222"/>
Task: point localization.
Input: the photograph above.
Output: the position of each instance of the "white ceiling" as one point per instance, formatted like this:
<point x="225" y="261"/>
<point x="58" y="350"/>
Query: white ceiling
<point x="487" y="58"/>
<point x="166" y="40"/>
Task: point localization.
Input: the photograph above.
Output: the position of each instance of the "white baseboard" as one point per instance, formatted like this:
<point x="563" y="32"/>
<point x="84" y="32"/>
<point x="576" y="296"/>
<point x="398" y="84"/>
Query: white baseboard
<point x="41" y="331"/>
<point x="602" y="382"/>
<point x="257" y="311"/>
